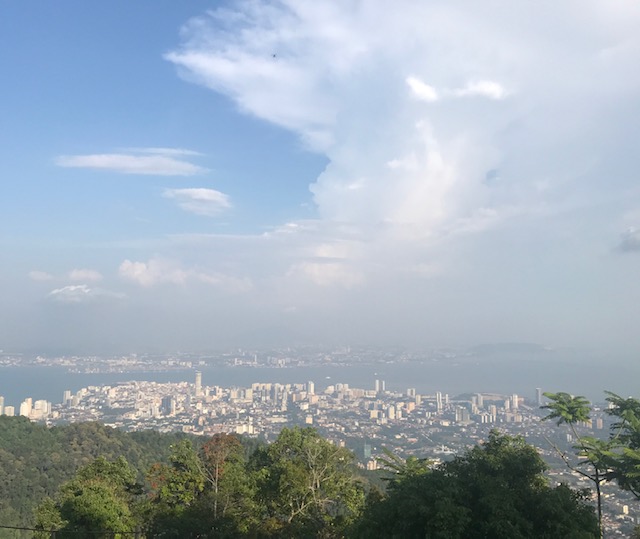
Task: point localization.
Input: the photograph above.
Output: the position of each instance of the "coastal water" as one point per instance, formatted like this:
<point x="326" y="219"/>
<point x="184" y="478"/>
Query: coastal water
<point x="502" y="375"/>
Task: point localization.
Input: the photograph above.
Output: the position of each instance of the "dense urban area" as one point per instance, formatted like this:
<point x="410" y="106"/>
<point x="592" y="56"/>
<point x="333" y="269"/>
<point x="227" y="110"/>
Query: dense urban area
<point x="367" y="420"/>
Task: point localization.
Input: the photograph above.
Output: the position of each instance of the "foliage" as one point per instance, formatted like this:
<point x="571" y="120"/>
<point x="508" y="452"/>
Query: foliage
<point x="307" y="486"/>
<point x="403" y="469"/>
<point x="35" y="460"/>
<point x="232" y="488"/>
<point x="569" y="409"/>
<point x="566" y="408"/>
<point x="496" y="490"/>
<point x="98" y="502"/>
<point x="301" y="485"/>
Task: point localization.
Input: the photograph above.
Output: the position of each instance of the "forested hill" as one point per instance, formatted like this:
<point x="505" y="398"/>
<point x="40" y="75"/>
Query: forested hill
<point x="86" y="480"/>
<point x="35" y="460"/>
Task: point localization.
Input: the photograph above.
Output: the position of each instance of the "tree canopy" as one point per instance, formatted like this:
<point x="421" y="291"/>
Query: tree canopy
<point x="494" y="490"/>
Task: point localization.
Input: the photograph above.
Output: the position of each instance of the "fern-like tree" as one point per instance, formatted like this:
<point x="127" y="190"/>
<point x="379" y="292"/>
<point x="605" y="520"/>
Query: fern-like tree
<point x="625" y="436"/>
<point x="595" y="454"/>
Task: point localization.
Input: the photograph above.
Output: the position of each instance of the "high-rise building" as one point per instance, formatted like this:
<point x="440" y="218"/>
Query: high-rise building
<point x="41" y="409"/>
<point x="479" y="400"/>
<point x="439" y="401"/>
<point x="66" y="397"/>
<point x="493" y="411"/>
<point x="198" y="384"/>
<point x="26" y="406"/>
<point x="168" y="405"/>
<point x="366" y="451"/>
<point x="377" y="386"/>
<point x="539" y="396"/>
<point x="462" y="415"/>
<point x="311" y="388"/>
<point x="9" y="411"/>
<point x="514" y="401"/>
<point x="1" y="405"/>
<point x="391" y="412"/>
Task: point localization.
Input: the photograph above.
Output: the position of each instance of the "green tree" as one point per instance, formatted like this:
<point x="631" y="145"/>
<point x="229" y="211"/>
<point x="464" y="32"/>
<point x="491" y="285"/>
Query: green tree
<point x="596" y="453"/>
<point x="230" y="488"/>
<point x="496" y="490"/>
<point x="97" y="502"/>
<point x="48" y="518"/>
<point x="307" y="486"/>
<point x="176" y="488"/>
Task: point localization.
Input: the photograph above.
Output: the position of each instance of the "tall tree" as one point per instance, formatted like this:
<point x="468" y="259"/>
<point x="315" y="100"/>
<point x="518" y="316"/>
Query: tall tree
<point x="571" y="410"/>
<point x="307" y="485"/>
<point x="230" y="488"/>
<point x="176" y="488"/>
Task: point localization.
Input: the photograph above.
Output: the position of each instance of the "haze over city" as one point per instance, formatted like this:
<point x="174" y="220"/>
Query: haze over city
<point x="206" y="174"/>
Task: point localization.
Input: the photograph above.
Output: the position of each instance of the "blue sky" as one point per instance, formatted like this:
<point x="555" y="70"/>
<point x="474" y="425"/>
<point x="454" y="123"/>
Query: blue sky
<point x="187" y="175"/>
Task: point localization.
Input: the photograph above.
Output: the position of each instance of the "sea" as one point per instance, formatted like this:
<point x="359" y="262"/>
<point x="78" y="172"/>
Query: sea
<point x="489" y="373"/>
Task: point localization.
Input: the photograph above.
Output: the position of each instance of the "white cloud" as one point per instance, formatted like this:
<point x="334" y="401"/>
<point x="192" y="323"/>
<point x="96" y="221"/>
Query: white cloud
<point x="151" y="273"/>
<point x="85" y="275"/>
<point x="200" y="201"/>
<point x="163" y="151"/>
<point x="81" y="293"/>
<point x="484" y="88"/>
<point x="144" y="161"/>
<point x="459" y="140"/>
<point x="422" y="90"/>
<point x="40" y="276"/>
<point x="163" y="271"/>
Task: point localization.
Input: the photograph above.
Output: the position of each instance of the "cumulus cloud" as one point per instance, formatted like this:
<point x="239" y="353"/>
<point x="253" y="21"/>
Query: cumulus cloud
<point x="81" y="293"/>
<point x="85" y="275"/>
<point x="415" y="107"/>
<point x="37" y="275"/>
<point x="163" y="271"/>
<point x="144" y="161"/>
<point x="199" y="200"/>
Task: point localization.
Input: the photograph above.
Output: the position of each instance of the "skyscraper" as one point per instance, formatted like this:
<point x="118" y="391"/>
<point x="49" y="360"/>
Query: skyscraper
<point x="168" y="405"/>
<point x="539" y="396"/>
<point x="26" y="406"/>
<point x="198" y="384"/>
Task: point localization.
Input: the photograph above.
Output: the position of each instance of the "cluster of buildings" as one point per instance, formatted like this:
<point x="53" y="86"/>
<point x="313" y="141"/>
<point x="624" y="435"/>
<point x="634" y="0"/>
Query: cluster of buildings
<point x="364" y="419"/>
<point x="38" y="410"/>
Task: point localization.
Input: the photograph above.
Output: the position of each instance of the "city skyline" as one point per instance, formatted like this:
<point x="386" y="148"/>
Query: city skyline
<point x="192" y="176"/>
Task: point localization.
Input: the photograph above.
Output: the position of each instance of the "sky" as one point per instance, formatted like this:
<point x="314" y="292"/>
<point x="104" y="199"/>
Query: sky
<point x="197" y="175"/>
